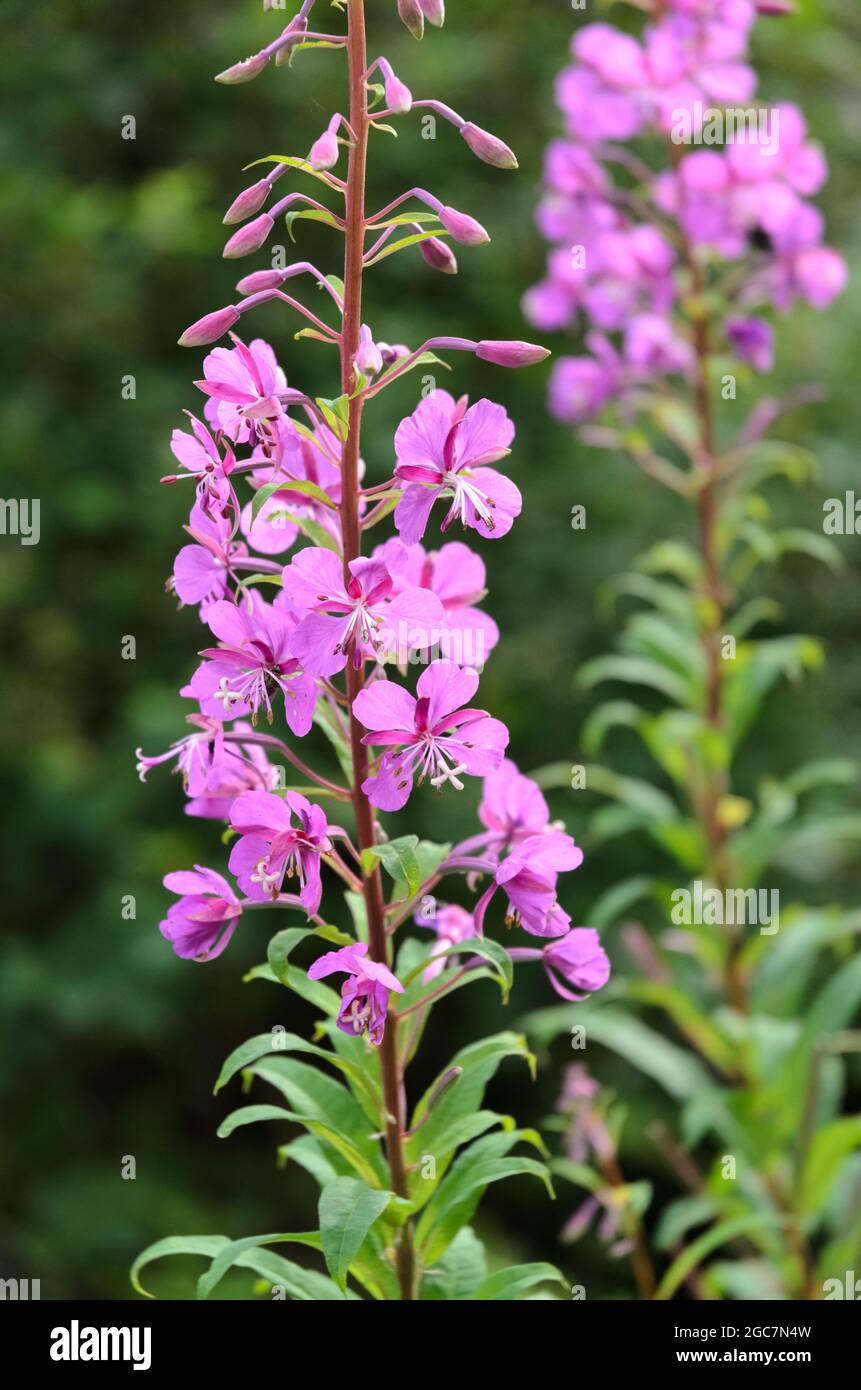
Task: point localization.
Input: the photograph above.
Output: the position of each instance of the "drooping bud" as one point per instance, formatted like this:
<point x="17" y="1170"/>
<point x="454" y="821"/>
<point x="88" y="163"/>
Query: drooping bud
<point x="399" y="98"/>
<point x="249" y="238"/>
<point x="324" y="151"/>
<point x="775" y="7"/>
<point x="438" y="255"/>
<point x="488" y="147"/>
<point x="368" y="359"/>
<point x="245" y="71"/>
<point x="462" y="227"/>
<point x="411" y="13"/>
<point x="392" y="352"/>
<point x="249" y="201"/>
<point x="260" y="280"/>
<point x="433" y="11"/>
<point x="510" y="352"/>
<point x="210" y="328"/>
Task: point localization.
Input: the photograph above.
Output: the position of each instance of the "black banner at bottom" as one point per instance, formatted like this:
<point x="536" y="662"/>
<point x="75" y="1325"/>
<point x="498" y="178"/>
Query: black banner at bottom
<point x="157" y="1337"/>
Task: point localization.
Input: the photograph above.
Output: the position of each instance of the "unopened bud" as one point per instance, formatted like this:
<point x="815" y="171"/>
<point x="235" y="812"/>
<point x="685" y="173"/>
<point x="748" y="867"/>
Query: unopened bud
<point x="249" y="201"/>
<point x="433" y="11"/>
<point x="398" y="95"/>
<point x="260" y="280"/>
<point x="249" y="238"/>
<point x="462" y="227"/>
<point x="210" y="328"/>
<point x="411" y="13"/>
<point x="245" y="71"/>
<point x="368" y="359"/>
<point x="511" y="352"/>
<point x="438" y="255"/>
<point x="324" y="152"/>
<point x="488" y="147"/>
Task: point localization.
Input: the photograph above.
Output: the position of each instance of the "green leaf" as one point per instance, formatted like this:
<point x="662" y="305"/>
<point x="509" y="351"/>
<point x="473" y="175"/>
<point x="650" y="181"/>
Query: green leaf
<point x="828" y="1151"/>
<point x="307" y="489"/>
<point x="304" y="1284"/>
<point x="455" y="1200"/>
<point x="508" y="1284"/>
<point x="398" y="858"/>
<point x="361" y="1080"/>
<point x="348" y="1210"/>
<point x="695" y="1253"/>
<point x="228" y="1256"/>
<point x="482" y="946"/>
<point x="460" y="1271"/>
<point x="392" y="247"/>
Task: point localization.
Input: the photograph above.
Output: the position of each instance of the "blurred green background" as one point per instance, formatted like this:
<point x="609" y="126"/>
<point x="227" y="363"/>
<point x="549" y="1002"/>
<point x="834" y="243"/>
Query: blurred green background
<point x="109" y="1043"/>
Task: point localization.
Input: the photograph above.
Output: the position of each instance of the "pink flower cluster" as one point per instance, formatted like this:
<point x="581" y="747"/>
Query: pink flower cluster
<point x="301" y="627"/>
<point x="670" y="168"/>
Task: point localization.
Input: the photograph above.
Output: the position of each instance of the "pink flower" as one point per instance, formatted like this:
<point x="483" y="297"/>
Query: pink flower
<point x="529" y="875"/>
<point x="512" y="806"/>
<point x="443" y="450"/>
<point x="456" y="575"/>
<point x="243" y="384"/>
<point x="358" y="620"/>
<point x="435" y="737"/>
<point x="580" y="960"/>
<point x="453" y="925"/>
<point x="237" y="678"/>
<point x="199" y="454"/>
<point x="279" y="836"/>
<point x="194" y="754"/>
<point x="234" y="768"/>
<point x="202" y="572"/>
<point x="364" y="994"/>
<point x="752" y="340"/>
<point x="201" y="924"/>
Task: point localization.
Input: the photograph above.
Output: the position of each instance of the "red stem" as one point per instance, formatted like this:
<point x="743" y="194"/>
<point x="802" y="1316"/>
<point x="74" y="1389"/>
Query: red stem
<point x="351" y="529"/>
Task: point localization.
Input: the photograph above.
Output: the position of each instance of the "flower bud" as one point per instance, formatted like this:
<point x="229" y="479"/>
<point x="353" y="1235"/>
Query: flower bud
<point x="260" y="280"/>
<point x="488" y="147"/>
<point x="511" y="353"/>
<point x="324" y="151"/>
<point x="249" y="238"/>
<point x="245" y="71"/>
<point x="438" y="255"/>
<point x="210" y="328"/>
<point x="412" y="16"/>
<point x="462" y="227"/>
<point x="398" y="95"/>
<point x="249" y="201"/>
<point x="433" y="11"/>
<point x="368" y="359"/>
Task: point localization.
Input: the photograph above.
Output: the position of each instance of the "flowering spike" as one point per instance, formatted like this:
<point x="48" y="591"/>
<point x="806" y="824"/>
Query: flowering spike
<point x="249" y="238"/>
<point x="210" y="328"/>
<point x="488" y="147"/>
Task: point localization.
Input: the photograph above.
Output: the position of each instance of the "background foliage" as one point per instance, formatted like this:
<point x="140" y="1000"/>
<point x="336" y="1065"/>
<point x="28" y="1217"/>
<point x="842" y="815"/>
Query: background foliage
<point x="109" y="1042"/>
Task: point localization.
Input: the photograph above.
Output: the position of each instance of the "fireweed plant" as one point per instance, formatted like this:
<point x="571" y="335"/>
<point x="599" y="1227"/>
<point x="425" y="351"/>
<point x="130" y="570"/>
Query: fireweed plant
<point x="680" y="218"/>
<point x="302" y="630"/>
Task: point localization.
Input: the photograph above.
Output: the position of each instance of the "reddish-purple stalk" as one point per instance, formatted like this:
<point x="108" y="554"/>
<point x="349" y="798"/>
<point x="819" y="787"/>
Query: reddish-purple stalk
<point x="390" y="1067"/>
